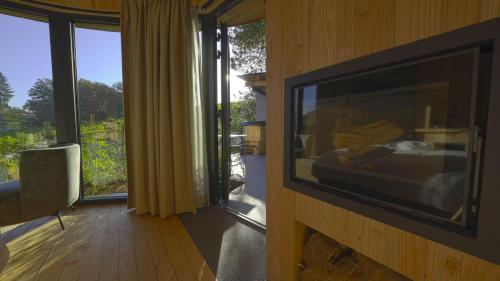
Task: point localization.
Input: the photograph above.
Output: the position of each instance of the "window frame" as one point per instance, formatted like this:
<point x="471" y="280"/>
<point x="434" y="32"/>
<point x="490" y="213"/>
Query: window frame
<point x="97" y="21"/>
<point x="64" y="73"/>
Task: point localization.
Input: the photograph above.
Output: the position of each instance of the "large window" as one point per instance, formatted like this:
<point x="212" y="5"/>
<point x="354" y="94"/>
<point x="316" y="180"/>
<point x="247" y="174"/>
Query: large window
<point x="41" y="55"/>
<point x="98" y="60"/>
<point x="26" y="96"/>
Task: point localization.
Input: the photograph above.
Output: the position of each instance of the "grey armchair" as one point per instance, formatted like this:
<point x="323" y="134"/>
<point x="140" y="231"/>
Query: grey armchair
<point x="49" y="182"/>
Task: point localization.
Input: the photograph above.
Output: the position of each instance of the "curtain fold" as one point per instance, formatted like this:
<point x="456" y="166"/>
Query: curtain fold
<point x="197" y="113"/>
<point x="160" y="89"/>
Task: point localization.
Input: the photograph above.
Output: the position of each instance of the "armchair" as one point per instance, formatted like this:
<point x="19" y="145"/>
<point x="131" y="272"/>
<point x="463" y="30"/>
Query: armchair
<point x="49" y="180"/>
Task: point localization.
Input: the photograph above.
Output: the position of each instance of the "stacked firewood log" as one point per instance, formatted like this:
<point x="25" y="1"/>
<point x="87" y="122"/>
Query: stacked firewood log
<point x="327" y="260"/>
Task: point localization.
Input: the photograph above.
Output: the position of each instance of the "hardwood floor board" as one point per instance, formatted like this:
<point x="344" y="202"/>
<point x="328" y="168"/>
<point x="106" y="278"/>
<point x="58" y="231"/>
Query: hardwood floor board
<point x="74" y="262"/>
<point x="161" y="258"/>
<point x="197" y="262"/>
<point x="143" y="255"/>
<point x="93" y="256"/>
<point x="69" y="242"/>
<point x="179" y="260"/>
<point x="43" y="236"/>
<point x="127" y="266"/>
<point x="109" y="262"/>
<point x="26" y="266"/>
<point x="106" y="243"/>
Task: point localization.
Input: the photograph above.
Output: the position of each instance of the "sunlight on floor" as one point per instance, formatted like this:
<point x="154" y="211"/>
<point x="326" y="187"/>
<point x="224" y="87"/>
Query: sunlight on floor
<point x="249" y="199"/>
<point x="102" y="243"/>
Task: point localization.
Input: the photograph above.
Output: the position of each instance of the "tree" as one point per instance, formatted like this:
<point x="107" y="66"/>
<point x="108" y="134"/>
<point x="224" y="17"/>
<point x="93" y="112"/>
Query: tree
<point x="5" y="96"/>
<point x="249" y="47"/>
<point x="242" y="110"/>
<point x="41" y="103"/>
<point x="99" y="101"/>
<point x="118" y="86"/>
<point x="5" y="92"/>
<point x="14" y="117"/>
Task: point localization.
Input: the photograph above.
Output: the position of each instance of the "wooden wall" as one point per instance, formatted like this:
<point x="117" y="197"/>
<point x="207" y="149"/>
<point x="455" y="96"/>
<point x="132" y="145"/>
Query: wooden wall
<point x="304" y="35"/>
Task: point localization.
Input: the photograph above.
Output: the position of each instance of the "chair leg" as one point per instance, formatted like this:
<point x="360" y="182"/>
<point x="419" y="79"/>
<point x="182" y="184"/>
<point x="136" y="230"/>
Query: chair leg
<point x="58" y="214"/>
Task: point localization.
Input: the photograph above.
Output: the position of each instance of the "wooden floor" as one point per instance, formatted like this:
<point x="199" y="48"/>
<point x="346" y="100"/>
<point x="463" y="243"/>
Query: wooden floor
<point x="107" y="243"/>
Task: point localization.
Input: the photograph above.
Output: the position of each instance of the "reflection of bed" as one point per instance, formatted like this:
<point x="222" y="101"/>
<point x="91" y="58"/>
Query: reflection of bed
<point x="433" y="178"/>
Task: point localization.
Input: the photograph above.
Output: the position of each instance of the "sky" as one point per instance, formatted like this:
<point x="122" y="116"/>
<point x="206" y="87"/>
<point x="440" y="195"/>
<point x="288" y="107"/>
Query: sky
<point x="25" y="55"/>
<point x="236" y="84"/>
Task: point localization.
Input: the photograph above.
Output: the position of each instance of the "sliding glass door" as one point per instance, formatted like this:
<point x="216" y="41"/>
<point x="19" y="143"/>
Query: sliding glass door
<point x="100" y="106"/>
<point x="241" y="78"/>
<point x="26" y="93"/>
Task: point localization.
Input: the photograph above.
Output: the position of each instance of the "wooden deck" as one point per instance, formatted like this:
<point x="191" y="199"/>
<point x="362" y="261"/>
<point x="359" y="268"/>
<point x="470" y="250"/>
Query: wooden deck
<point x="107" y="243"/>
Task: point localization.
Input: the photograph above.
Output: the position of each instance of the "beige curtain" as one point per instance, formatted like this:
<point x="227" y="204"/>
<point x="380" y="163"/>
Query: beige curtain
<point x="197" y="114"/>
<point x="158" y="70"/>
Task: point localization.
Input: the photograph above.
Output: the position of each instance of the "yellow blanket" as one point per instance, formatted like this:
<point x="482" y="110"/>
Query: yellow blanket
<point x="359" y="140"/>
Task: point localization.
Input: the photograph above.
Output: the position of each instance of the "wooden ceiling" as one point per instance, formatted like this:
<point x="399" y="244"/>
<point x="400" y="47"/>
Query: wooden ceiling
<point x="103" y="5"/>
<point x="210" y="8"/>
<point x="96" y="5"/>
<point x="245" y="12"/>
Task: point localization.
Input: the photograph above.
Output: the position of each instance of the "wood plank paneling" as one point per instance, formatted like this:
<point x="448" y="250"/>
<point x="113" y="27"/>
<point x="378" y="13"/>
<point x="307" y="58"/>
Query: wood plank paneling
<point x="459" y="13"/>
<point x="490" y="9"/>
<point x="322" y="24"/>
<point x="405" y="252"/>
<point x="443" y="263"/>
<point x="373" y="26"/>
<point x="366" y="236"/>
<point x="417" y="20"/>
<point x="290" y="48"/>
<point x="364" y="27"/>
<point x="344" y="32"/>
<point x="274" y="37"/>
<point x="306" y="35"/>
<point x="477" y="269"/>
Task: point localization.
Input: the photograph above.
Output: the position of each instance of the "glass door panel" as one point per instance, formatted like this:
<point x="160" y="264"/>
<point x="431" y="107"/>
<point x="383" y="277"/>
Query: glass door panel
<point x="100" y="104"/>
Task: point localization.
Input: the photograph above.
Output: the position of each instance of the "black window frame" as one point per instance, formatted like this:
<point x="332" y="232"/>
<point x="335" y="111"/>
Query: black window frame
<point x="213" y="32"/>
<point x="64" y="74"/>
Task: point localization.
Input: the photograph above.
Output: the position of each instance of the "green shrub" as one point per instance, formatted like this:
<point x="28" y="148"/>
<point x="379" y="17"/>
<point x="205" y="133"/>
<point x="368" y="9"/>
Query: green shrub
<point x="10" y="147"/>
<point x="103" y="154"/>
<point x="103" y="157"/>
